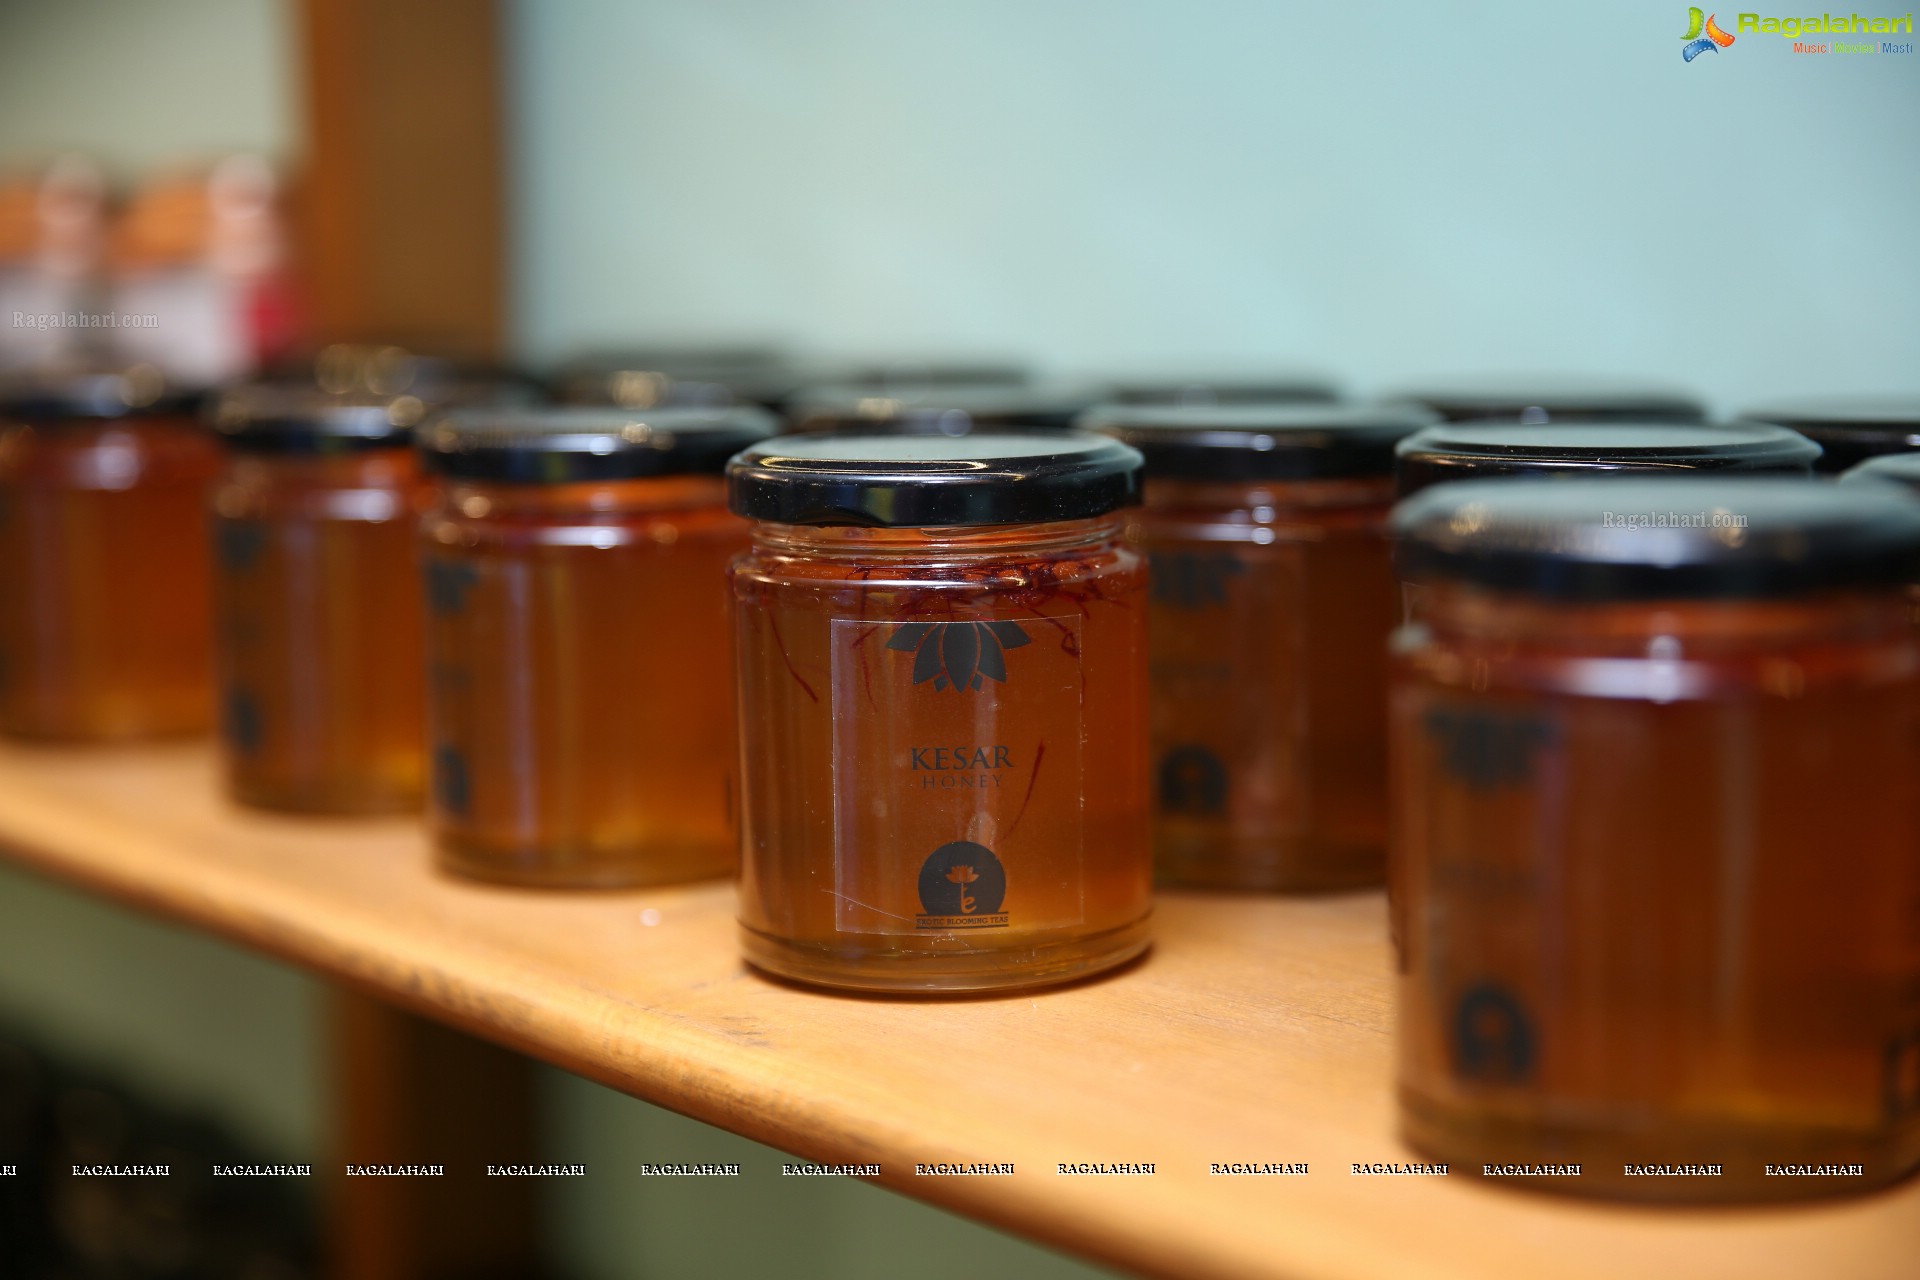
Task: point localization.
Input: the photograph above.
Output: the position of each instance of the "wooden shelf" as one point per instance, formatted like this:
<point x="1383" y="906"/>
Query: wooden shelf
<point x="1258" y="1030"/>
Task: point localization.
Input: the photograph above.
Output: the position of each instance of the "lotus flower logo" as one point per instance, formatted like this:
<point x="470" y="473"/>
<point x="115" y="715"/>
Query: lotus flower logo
<point x="956" y="655"/>
<point x="963" y="885"/>
<point x="964" y="876"/>
<point x="1703" y="35"/>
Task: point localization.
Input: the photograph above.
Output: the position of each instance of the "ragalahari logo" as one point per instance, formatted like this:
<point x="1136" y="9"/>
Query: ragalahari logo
<point x="1703" y="35"/>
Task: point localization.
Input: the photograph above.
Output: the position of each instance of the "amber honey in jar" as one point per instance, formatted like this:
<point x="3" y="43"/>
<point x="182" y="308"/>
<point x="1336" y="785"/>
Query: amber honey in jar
<point x="1480" y="450"/>
<point x="580" y="701"/>
<point x="928" y="409"/>
<point x="318" y="600"/>
<point x="1654" y="877"/>
<point x="1273" y="596"/>
<point x="105" y="620"/>
<point x="943" y="697"/>
<point x="1849" y="429"/>
<point x="1564" y="398"/>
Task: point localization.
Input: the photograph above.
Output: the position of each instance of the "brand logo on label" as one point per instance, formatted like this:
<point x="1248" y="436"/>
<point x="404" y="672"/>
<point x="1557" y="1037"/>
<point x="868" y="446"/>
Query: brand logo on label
<point x="1703" y="36"/>
<point x="1492" y="1036"/>
<point x="452" y="781"/>
<point x="1487" y="750"/>
<point x="1184" y="580"/>
<point x="1903" y="1075"/>
<point x="957" y="655"/>
<point x="448" y="582"/>
<point x="962" y="886"/>
<point x="1192" y="780"/>
<point x="237" y="544"/>
<point x="243" y="722"/>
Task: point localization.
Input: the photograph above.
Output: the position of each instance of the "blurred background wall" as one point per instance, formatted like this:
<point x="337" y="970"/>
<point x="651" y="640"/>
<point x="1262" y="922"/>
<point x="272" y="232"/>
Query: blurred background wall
<point x="1388" y="189"/>
<point x="137" y="84"/>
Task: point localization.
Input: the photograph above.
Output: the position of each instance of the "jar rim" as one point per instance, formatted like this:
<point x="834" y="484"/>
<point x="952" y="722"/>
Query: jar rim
<point x="1739" y="537"/>
<point x="918" y="481"/>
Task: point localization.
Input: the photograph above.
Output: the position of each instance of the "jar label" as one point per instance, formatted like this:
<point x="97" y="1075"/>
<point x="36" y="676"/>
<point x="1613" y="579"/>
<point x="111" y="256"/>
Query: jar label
<point x="957" y="774"/>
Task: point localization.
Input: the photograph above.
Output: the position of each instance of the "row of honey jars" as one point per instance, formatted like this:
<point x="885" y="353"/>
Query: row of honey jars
<point x="1655" y="881"/>
<point x="561" y="571"/>
<point x="1274" y="596"/>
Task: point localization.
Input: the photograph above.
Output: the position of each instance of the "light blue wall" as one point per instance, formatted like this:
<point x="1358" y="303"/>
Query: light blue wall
<point x="137" y="83"/>
<point x="1386" y="189"/>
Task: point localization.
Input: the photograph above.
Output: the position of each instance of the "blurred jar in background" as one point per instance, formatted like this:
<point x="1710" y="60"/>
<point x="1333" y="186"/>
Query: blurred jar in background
<point x="52" y="238"/>
<point x="1848" y="429"/>
<point x="936" y="410"/>
<point x="104" y="609"/>
<point x="201" y="284"/>
<point x="439" y="380"/>
<point x="1481" y="450"/>
<point x="1654" y="884"/>
<point x="581" y="694"/>
<point x="688" y="377"/>
<point x="943" y="694"/>
<point x="318" y="598"/>
<point x="883" y="375"/>
<point x="1195" y="390"/>
<point x="1273" y="597"/>
<point x="1900" y="469"/>
<point x="1533" y="398"/>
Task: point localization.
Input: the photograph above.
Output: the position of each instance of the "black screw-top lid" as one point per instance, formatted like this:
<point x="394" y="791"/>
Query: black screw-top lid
<point x="1553" y="399"/>
<point x="1261" y="442"/>
<point x="1476" y="450"/>
<point x="920" y="481"/>
<point x="48" y="396"/>
<point x="937" y="411"/>
<point x="1735" y="537"/>
<point x="563" y="445"/>
<point x="1899" y="468"/>
<point x="1848" y="428"/>
<point x="1284" y="387"/>
<point x="290" y="419"/>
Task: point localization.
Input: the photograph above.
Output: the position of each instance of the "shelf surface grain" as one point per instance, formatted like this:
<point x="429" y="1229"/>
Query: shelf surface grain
<point x="1257" y="1030"/>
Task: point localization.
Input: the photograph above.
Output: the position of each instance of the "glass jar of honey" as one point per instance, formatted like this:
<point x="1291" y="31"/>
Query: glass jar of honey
<point x="924" y="409"/>
<point x="1848" y="429"/>
<point x="580" y="709"/>
<point x="943" y="684"/>
<point x="1479" y="450"/>
<point x="1533" y="398"/>
<point x="1273" y="597"/>
<point x="105" y="619"/>
<point x="317" y="599"/>
<point x="1653" y="874"/>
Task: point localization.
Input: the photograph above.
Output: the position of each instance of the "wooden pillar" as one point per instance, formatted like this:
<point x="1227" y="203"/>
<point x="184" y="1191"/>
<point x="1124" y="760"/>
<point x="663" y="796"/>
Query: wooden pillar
<point x="412" y="1092"/>
<point x="403" y="215"/>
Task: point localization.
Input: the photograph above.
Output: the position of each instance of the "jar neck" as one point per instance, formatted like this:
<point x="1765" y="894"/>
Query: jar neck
<point x="860" y="542"/>
<point x="1477" y="616"/>
<point x="587" y="498"/>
